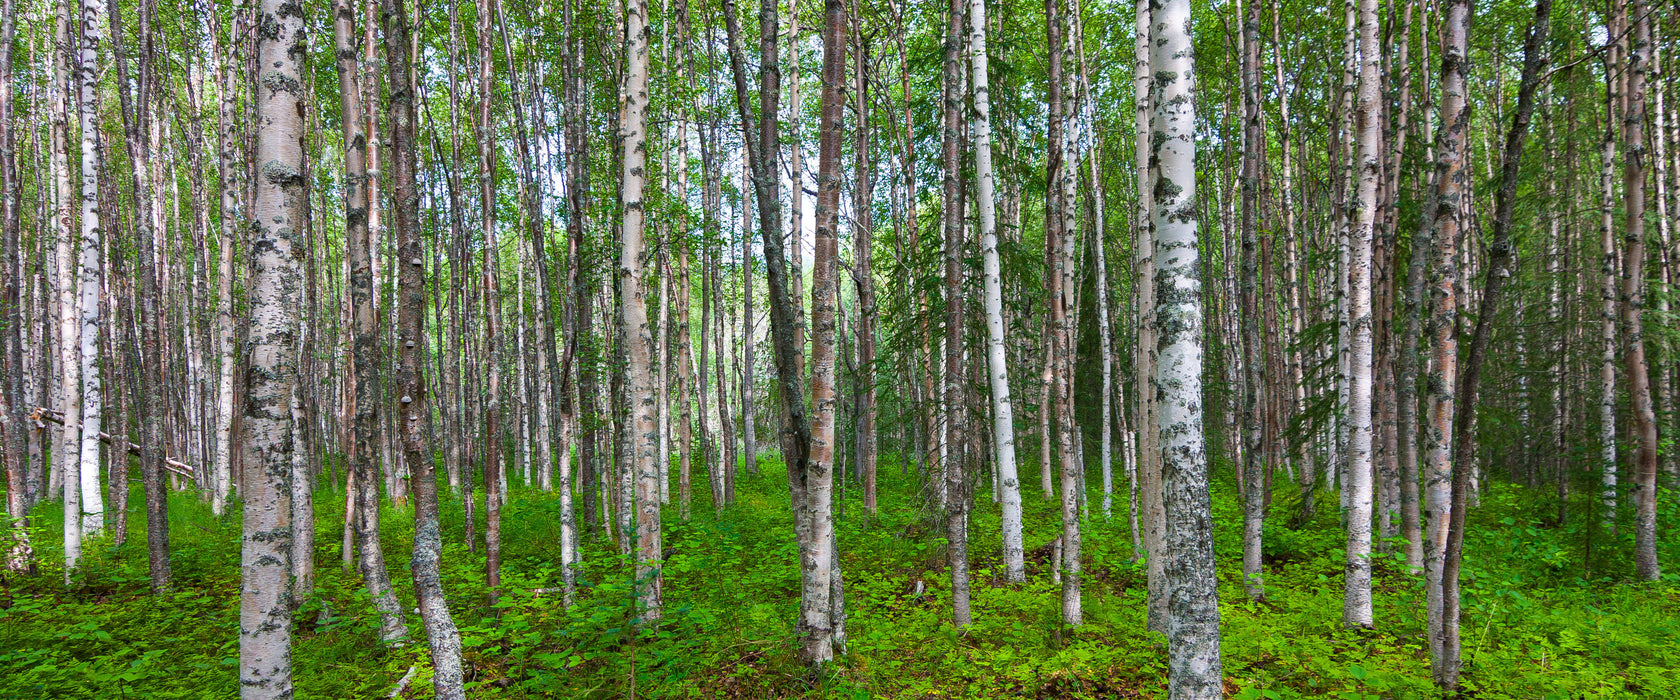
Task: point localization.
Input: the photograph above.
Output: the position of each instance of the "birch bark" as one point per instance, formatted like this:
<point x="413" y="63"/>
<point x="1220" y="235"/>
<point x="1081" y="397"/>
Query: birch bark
<point x="1451" y="177"/>
<point x="638" y="340"/>
<point x="1003" y="410"/>
<point x="364" y="353"/>
<point x="1634" y="169"/>
<point x="265" y="611"/>
<point x="66" y="464"/>
<point x="441" y="634"/>
<point x="1356" y="602"/>
<point x="1192" y="619"/>
<point x="91" y="282"/>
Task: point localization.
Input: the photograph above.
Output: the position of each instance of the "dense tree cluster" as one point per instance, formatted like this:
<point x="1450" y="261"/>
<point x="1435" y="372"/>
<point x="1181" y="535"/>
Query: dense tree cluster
<point x="589" y="248"/>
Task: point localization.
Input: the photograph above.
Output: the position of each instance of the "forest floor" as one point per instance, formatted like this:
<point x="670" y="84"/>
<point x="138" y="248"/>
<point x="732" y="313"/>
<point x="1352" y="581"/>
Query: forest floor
<point x="1537" y="623"/>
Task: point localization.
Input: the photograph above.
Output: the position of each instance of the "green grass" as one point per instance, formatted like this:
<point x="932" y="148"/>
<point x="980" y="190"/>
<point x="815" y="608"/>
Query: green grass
<point x="1537" y="623"/>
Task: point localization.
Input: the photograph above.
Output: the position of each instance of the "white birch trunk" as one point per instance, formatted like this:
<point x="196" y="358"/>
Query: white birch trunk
<point x="65" y="461"/>
<point x="265" y="611"/>
<point x="1192" y="620"/>
<point x="1099" y="236"/>
<point x="229" y="174"/>
<point x="1607" y="356"/>
<point x="1148" y="482"/>
<point x="1452" y="201"/>
<point x="644" y="427"/>
<point x="1003" y="411"/>
<point x="1356" y="600"/>
<point x="92" y="275"/>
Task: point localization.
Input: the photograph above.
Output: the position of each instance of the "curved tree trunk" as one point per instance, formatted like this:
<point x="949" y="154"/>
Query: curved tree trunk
<point x="1446" y="663"/>
<point x="443" y="638"/>
<point x="364" y="353"/>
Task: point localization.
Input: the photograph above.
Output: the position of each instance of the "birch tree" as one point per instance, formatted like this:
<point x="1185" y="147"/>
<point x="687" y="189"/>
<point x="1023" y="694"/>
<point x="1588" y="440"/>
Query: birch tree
<point x="1634" y="169"/>
<point x="644" y="427"/>
<point x="1451" y="180"/>
<point x="365" y="356"/>
<point x="1192" y="616"/>
<point x="441" y="634"/>
<point x="821" y="611"/>
<point x="18" y="553"/>
<point x="91" y="273"/>
<point x="66" y="463"/>
<point x="1254" y="380"/>
<point x="265" y="610"/>
<point x="1356" y="601"/>
<point x="231" y="181"/>
<point x="1003" y="410"/>
<point x="953" y="407"/>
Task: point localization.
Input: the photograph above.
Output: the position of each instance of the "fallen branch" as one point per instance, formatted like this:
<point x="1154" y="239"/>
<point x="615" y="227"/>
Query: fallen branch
<point x="181" y="468"/>
<point x="403" y="684"/>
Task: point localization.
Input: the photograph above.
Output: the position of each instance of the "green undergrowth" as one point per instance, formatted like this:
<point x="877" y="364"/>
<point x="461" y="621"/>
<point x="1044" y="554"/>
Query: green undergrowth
<point x="1537" y="622"/>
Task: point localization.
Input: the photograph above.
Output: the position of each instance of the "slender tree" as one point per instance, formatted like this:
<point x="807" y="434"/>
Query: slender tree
<point x="18" y="553"/>
<point x="954" y="407"/>
<point x="1254" y="379"/>
<point x="91" y="276"/>
<point x="1451" y="209"/>
<point x="365" y="356"/>
<point x="1356" y="603"/>
<point x="441" y="634"/>
<point x="638" y="340"/>
<point x="821" y="611"/>
<point x="1634" y="169"/>
<point x="1003" y="410"/>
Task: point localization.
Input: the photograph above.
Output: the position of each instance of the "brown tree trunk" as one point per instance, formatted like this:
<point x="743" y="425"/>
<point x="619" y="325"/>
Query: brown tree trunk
<point x="953" y="406"/>
<point x="1646" y="566"/>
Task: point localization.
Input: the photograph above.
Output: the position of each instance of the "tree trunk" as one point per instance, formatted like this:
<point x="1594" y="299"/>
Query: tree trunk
<point x="1149" y="449"/>
<point x="863" y="233"/>
<point x="1192" y="619"/>
<point x="494" y="462"/>
<point x="1450" y="209"/>
<point x="66" y="464"/>
<point x="643" y="428"/>
<point x="19" y="555"/>
<point x="91" y="273"/>
<point x="1254" y="379"/>
<point x="265" y="610"/>
<point x="819" y="607"/>
<point x="1292" y="276"/>
<point x="441" y="634"/>
<point x="148" y="405"/>
<point x="1447" y="664"/>
<point x="814" y="600"/>
<point x="1003" y="410"/>
<point x="1356" y="603"/>
<point x="954" y="408"/>
<point x="1646" y="566"/>
<point x="1608" y="291"/>
<point x="229" y="177"/>
<point x="364" y="353"/>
